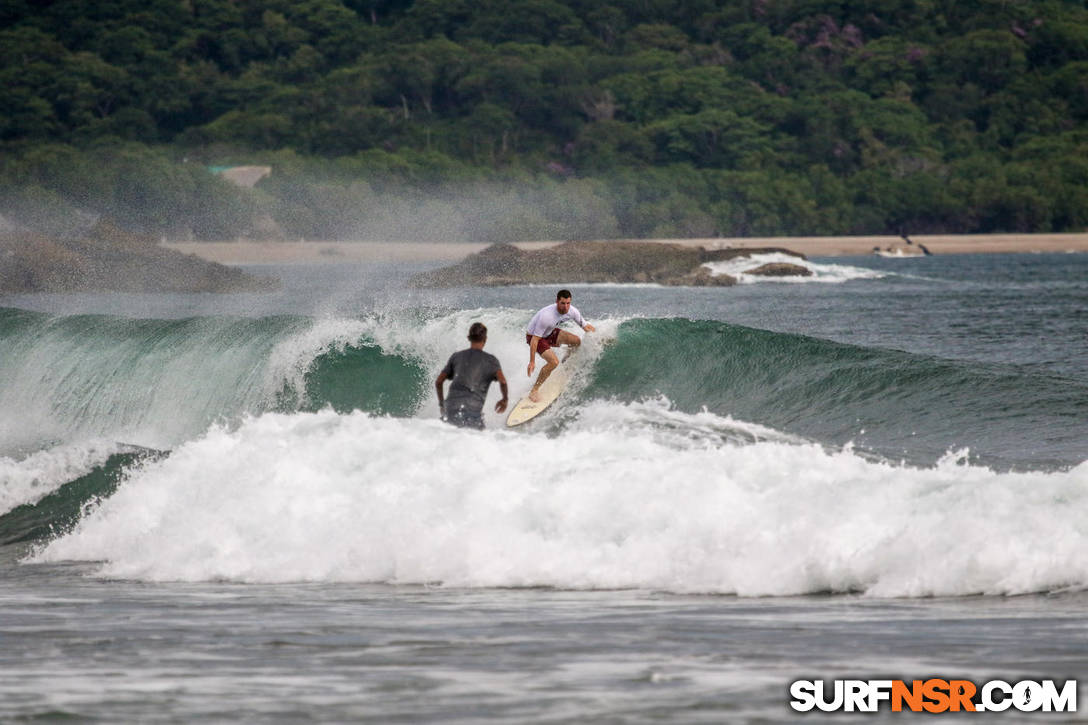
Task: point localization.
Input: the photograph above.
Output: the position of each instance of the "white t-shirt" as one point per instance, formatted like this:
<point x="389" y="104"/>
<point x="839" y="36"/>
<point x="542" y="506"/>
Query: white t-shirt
<point x="548" y="319"/>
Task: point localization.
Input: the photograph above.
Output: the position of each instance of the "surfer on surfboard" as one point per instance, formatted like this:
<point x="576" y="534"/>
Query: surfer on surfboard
<point x="543" y="334"/>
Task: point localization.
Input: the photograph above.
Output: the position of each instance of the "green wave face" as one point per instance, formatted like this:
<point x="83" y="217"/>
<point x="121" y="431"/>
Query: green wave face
<point x="832" y="392"/>
<point x="359" y="377"/>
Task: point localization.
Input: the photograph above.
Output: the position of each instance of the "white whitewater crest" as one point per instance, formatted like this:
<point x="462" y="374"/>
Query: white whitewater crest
<point x="623" y="498"/>
<point x="821" y="272"/>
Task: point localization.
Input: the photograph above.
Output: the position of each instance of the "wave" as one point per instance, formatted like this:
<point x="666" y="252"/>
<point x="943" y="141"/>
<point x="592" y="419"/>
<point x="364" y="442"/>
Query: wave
<point x="69" y="380"/>
<point x="29" y="479"/>
<point x="158" y="382"/>
<point x="623" y="498"/>
<point x="898" y="403"/>
<point x="56" y="511"/>
<point x="820" y="272"/>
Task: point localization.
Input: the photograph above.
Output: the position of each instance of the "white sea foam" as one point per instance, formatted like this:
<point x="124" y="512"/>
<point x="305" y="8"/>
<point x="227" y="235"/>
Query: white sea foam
<point x="623" y="498"/>
<point x="821" y="272"/>
<point x="28" y="479"/>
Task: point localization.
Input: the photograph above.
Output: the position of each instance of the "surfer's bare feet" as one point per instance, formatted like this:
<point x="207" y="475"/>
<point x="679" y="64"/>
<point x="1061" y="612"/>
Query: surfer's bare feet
<point x="534" y="395"/>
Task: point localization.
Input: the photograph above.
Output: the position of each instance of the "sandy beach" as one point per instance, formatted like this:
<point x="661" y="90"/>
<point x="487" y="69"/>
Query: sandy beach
<point x="246" y="252"/>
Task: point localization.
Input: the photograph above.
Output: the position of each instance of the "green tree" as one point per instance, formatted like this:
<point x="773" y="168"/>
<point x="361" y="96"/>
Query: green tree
<point x="990" y="59"/>
<point x="713" y="138"/>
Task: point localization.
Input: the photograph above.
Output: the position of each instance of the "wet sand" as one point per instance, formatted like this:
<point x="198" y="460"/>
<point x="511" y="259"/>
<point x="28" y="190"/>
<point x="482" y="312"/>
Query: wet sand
<point x="332" y="252"/>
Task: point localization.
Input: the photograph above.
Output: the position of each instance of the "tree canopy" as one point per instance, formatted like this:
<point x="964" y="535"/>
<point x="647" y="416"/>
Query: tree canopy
<point x="502" y="119"/>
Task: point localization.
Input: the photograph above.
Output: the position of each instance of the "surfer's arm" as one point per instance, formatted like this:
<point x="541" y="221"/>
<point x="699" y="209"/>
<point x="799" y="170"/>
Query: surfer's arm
<point x="581" y="320"/>
<point x="532" y="354"/>
<point x="438" y="383"/>
<point x="501" y="405"/>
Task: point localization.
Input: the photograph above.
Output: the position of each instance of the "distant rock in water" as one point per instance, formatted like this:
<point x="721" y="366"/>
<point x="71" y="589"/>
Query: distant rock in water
<point x="107" y="259"/>
<point x="589" y="262"/>
<point x="780" y="269"/>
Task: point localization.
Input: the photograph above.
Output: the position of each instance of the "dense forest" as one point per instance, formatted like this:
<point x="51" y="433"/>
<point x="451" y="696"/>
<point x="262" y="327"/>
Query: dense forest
<point x="515" y="119"/>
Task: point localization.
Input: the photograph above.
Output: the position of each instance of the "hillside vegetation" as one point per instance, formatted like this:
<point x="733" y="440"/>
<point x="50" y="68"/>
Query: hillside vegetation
<point x="521" y="119"/>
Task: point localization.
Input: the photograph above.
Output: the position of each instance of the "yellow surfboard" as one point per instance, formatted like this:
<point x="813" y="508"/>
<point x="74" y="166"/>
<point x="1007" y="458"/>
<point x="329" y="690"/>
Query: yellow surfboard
<point x="552" y="388"/>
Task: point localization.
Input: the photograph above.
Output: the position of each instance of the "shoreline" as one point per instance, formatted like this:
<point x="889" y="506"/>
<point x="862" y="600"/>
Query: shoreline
<point x="247" y="252"/>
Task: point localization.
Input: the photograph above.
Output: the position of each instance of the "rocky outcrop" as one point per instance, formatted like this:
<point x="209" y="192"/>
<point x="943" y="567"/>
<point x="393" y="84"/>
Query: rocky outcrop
<point x="105" y="258"/>
<point x="589" y="262"/>
<point x="780" y="269"/>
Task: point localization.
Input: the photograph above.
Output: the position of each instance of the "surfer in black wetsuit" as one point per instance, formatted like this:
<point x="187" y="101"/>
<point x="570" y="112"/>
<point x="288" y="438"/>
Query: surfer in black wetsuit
<point x="470" y="373"/>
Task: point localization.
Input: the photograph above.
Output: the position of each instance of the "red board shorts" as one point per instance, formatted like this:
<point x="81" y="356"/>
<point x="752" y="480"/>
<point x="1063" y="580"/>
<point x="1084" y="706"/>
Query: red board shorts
<point x="546" y="343"/>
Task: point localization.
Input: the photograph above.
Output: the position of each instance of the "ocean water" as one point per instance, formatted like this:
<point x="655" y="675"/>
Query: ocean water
<point x="245" y="507"/>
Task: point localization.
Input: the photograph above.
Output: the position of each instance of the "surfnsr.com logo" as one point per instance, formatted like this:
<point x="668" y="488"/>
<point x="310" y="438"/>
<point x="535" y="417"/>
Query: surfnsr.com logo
<point x="933" y="695"/>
